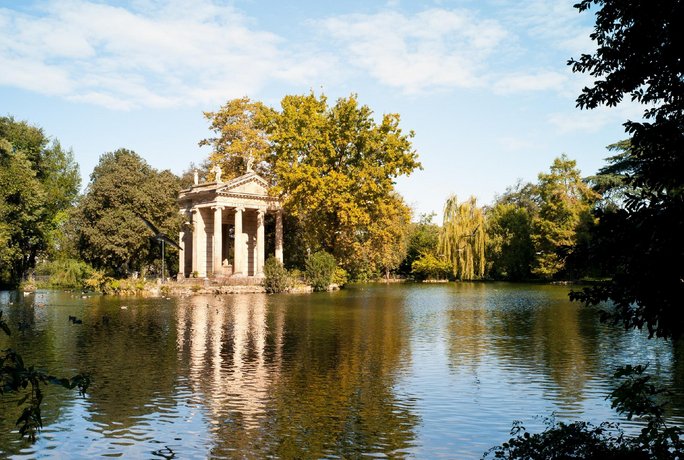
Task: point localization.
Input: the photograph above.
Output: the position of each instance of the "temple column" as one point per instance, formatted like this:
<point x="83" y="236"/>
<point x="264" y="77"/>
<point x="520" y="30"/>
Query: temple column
<point x="195" y="240"/>
<point x="279" y="236"/>
<point x="218" y="240"/>
<point x="259" y="261"/>
<point x="239" y="246"/>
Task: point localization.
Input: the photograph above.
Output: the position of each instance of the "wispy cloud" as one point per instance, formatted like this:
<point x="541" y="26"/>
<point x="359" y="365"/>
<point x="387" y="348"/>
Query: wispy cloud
<point x="541" y="81"/>
<point x="436" y="48"/>
<point x="596" y="119"/>
<point x="151" y="54"/>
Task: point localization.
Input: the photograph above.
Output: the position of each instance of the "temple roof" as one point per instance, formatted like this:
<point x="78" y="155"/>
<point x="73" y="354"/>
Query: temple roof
<point x="247" y="187"/>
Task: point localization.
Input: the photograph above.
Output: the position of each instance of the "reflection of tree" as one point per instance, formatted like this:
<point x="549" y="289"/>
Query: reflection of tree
<point x="342" y="367"/>
<point x="299" y="380"/>
<point x="132" y="359"/>
<point x="535" y="329"/>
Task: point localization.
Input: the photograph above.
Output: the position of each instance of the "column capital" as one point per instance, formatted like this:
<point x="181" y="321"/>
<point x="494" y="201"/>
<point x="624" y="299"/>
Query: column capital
<point x="239" y="208"/>
<point x="218" y="207"/>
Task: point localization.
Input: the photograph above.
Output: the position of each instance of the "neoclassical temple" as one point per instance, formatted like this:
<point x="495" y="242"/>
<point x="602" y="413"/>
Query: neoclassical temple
<point x="224" y="231"/>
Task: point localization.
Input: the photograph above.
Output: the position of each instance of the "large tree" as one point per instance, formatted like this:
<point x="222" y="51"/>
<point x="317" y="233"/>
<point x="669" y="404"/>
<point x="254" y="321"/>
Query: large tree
<point x="122" y="188"/>
<point x="38" y="181"/>
<point x="565" y="203"/>
<point x="463" y="238"/>
<point x="333" y="168"/>
<point x="639" y="56"/>
<point x="510" y="252"/>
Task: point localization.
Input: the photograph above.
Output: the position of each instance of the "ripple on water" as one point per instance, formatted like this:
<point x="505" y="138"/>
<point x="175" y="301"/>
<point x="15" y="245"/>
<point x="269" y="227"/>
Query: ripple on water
<point x="423" y="371"/>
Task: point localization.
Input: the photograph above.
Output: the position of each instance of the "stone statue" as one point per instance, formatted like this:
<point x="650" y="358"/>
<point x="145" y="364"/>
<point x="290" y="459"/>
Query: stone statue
<point x="195" y="177"/>
<point x="250" y="162"/>
<point x="217" y="172"/>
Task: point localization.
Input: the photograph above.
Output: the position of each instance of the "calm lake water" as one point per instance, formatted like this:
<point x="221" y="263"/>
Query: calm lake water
<point x="424" y="371"/>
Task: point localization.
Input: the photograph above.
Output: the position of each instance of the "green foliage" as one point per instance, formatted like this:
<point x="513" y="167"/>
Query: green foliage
<point x="38" y="182"/>
<point x="611" y="181"/>
<point x="333" y="168"/>
<point x="240" y="134"/>
<point x="638" y="56"/>
<point x="67" y="273"/>
<point x="320" y="269"/>
<point x="510" y="252"/>
<point x="564" y="214"/>
<point x="430" y="267"/>
<point x="462" y="240"/>
<point x="16" y="377"/>
<point x="276" y="278"/>
<point x="99" y="282"/>
<point x="423" y="239"/>
<point x="111" y="235"/>
<point x="340" y="276"/>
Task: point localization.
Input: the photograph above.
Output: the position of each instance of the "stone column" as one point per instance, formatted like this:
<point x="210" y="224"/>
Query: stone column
<point x="195" y="239"/>
<point x="218" y="240"/>
<point x="279" y="236"/>
<point x="239" y="246"/>
<point x="259" y="261"/>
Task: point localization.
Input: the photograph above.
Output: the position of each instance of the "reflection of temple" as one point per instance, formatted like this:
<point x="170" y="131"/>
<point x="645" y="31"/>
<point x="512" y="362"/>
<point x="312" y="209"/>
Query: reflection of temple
<point x="225" y="231"/>
<point x="227" y="346"/>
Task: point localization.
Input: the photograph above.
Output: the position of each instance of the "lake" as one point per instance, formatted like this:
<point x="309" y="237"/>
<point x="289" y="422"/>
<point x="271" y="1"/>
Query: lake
<point x="423" y="371"/>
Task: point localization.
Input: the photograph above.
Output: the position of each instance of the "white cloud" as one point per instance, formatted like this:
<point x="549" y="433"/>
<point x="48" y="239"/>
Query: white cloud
<point x="596" y="119"/>
<point x="156" y="54"/>
<point x="436" y="48"/>
<point x="541" y="81"/>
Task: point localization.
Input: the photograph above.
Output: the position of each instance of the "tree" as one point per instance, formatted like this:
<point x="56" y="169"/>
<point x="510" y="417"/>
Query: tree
<point x="462" y="240"/>
<point x="639" y="55"/>
<point x="239" y="136"/>
<point x="320" y="269"/>
<point x="122" y="187"/>
<point x="564" y="214"/>
<point x="611" y="182"/>
<point x="333" y="169"/>
<point x="510" y="252"/>
<point x="382" y="243"/>
<point x="423" y="240"/>
<point x="39" y="181"/>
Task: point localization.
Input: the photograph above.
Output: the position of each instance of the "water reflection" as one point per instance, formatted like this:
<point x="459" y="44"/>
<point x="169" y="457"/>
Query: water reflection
<point x="424" y="371"/>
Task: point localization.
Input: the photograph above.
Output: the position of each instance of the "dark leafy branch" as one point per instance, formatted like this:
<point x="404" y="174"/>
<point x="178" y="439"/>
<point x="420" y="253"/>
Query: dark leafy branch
<point x="16" y="377"/>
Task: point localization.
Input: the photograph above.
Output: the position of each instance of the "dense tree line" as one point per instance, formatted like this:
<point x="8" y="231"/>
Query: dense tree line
<point x="39" y="182"/>
<point x="532" y="231"/>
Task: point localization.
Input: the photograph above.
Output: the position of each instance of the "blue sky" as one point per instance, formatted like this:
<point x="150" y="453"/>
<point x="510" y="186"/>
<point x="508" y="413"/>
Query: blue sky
<point x="483" y="83"/>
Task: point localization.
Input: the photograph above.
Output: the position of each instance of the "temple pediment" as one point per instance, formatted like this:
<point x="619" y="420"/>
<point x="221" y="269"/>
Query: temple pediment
<point x="247" y="184"/>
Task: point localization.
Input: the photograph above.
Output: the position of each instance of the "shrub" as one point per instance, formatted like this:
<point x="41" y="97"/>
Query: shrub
<point x="98" y="282"/>
<point x="427" y="266"/>
<point x="340" y="277"/>
<point x="297" y="276"/>
<point x="320" y="268"/>
<point x="66" y="273"/>
<point x="276" y="278"/>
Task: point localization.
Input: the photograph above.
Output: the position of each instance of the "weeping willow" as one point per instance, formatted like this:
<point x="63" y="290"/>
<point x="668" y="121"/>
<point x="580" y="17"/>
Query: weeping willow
<point x="462" y="238"/>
